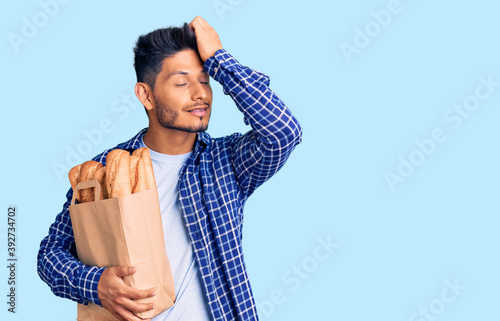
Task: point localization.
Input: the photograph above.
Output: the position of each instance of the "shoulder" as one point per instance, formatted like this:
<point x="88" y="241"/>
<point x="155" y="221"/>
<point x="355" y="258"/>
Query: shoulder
<point x="131" y="144"/>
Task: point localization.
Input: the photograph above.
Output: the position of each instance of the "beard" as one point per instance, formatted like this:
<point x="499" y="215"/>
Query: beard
<point x="167" y="117"/>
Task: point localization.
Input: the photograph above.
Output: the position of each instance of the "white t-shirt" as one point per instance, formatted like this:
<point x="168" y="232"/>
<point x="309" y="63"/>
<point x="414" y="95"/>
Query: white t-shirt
<point x="191" y="301"/>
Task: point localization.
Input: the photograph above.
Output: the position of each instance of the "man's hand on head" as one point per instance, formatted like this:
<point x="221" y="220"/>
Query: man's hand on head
<point x="206" y="38"/>
<point x="118" y="298"/>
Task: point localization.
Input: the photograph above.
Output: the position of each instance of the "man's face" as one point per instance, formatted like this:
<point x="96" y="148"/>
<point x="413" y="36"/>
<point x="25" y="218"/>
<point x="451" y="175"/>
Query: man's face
<point x="182" y="93"/>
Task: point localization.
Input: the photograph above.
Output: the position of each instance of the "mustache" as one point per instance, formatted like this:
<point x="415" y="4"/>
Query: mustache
<point x="202" y="104"/>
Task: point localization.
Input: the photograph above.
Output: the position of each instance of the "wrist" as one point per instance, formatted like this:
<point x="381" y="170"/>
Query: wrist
<point x="88" y="281"/>
<point x="210" y="54"/>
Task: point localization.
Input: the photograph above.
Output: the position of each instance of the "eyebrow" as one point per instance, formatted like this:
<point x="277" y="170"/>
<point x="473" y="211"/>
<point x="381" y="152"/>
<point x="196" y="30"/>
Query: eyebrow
<point x="180" y="72"/>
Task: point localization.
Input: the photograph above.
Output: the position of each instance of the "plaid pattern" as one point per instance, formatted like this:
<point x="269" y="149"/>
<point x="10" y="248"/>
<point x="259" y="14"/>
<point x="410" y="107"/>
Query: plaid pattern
<point x="214" y="185"/>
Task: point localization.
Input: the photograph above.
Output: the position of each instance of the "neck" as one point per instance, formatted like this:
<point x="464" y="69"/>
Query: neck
<point x="169" y="141"/>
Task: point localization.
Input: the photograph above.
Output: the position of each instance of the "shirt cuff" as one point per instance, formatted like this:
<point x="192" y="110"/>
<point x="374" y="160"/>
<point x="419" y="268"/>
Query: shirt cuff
<point x="88" y="281"/>
<point x="221" y="59"/>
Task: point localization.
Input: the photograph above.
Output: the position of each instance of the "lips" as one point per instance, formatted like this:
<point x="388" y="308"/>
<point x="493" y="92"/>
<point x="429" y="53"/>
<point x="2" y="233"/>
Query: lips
<point x="199" y="111"/>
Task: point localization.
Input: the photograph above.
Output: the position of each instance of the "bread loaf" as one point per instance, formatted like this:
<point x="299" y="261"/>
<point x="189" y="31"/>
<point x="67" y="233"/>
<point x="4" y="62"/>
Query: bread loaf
<point x="87" y="172"/>
<point x="118" y="173"/>
<point x="73" y="175"/>
<point x="137" y="174"/>
<point x="146" y="156"/>
<point x="123" y="175"/>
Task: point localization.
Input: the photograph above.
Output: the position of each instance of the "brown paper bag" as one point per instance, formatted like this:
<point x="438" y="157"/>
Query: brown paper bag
<point x="124" y="231"/>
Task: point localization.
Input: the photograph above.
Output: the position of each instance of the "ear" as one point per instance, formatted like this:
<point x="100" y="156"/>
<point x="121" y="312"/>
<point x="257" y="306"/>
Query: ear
<point x="145" y="95"/>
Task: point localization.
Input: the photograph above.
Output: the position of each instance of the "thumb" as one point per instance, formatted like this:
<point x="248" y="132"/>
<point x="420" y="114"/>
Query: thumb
<point x="124" y="270"/>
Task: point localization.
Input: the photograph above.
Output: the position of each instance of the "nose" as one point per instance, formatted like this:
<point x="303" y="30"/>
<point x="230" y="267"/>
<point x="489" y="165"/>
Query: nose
<point x="198" y="91"/>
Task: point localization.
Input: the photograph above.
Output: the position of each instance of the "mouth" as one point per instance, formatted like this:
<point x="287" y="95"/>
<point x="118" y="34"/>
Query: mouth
<point x="198" y="111"/>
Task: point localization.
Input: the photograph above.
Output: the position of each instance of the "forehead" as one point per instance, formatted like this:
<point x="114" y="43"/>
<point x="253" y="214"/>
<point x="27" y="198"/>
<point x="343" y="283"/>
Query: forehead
<point x="185" y="61"/>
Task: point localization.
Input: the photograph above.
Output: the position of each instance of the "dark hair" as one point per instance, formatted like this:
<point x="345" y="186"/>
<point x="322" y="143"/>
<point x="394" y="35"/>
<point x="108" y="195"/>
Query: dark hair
<point x="152" y="48"/>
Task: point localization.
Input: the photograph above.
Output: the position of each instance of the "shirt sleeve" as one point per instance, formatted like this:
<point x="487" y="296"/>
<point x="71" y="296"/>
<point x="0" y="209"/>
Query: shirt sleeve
<point x="58" y="266"/>
<point x="262" y="151"/>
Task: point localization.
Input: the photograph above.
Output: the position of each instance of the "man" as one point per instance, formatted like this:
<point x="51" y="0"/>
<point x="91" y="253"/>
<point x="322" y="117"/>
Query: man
<point x="203" y="183"/>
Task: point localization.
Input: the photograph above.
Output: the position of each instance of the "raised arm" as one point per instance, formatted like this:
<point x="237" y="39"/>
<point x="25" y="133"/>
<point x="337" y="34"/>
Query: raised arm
<point x="261" y="152"/>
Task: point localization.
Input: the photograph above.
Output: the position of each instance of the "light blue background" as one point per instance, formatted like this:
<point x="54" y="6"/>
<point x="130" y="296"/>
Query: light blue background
<point x="396" y="249"/>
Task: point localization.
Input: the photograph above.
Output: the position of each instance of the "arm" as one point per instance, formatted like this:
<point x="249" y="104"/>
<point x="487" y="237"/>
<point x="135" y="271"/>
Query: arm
<point x="58" y="266"/>
<point x="260" y="153"/>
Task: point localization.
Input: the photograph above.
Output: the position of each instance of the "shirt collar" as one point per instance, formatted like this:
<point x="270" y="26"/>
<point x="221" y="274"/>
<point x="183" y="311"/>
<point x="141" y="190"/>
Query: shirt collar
<point x="204" y="138"/>
<point x="135" y="142"/>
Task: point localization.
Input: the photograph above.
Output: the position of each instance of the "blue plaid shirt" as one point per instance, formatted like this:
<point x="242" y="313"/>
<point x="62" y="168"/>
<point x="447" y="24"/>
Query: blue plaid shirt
<point x="213" y="187"/>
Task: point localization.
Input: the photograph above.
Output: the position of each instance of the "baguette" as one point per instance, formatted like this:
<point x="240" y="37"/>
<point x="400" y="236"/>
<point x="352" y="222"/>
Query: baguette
<point x="137" y="174"/>
<point x="73" y="175"/>
<point x="118" y="173"/>
<point x="150" y="176"/>
<point x="109" y="160"/>
<point x="86" y="174"/>
<point x="112" y="154"/>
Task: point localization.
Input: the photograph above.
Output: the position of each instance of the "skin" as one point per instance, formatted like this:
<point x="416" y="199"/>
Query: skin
<point x="181" y="87"/>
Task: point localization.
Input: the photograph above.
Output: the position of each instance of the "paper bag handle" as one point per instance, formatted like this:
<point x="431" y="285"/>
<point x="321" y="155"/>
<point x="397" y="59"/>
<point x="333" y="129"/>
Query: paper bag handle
<point x="88" y="184"/>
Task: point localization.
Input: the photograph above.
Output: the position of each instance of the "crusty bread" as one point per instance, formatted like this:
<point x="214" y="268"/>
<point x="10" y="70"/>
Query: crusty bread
<point x="123" y="175"/>
<point x="109" y="160"/>
<point x="146" y="156"/>
<point x="118" y="173"/>
<point x="73" y="175"/>
<point x="137" y="174"/>
<point x="100" y="176"/>
<point x="112" y="154"/>
<point x="86" y="174"/>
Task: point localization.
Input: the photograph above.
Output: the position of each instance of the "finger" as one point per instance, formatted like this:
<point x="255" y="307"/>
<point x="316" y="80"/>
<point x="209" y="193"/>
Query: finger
<point x="194" y="22"/>
<point x="126" y="315"/>
<point x="137" y="294"/>
<point x="135" y="306"/>
<point x="124" y="270"/>
<point x="198" y="19"/>
<point x="205" y="23"/>
<point x="115" y="310"/>
<point x="199" y="22"/>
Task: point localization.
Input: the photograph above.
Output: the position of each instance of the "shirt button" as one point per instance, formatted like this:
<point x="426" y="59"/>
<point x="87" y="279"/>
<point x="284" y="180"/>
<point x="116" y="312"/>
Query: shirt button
<point x="215" y="69"/>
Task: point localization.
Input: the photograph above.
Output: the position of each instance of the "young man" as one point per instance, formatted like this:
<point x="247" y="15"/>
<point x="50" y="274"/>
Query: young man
<point x="203" y="183"/>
